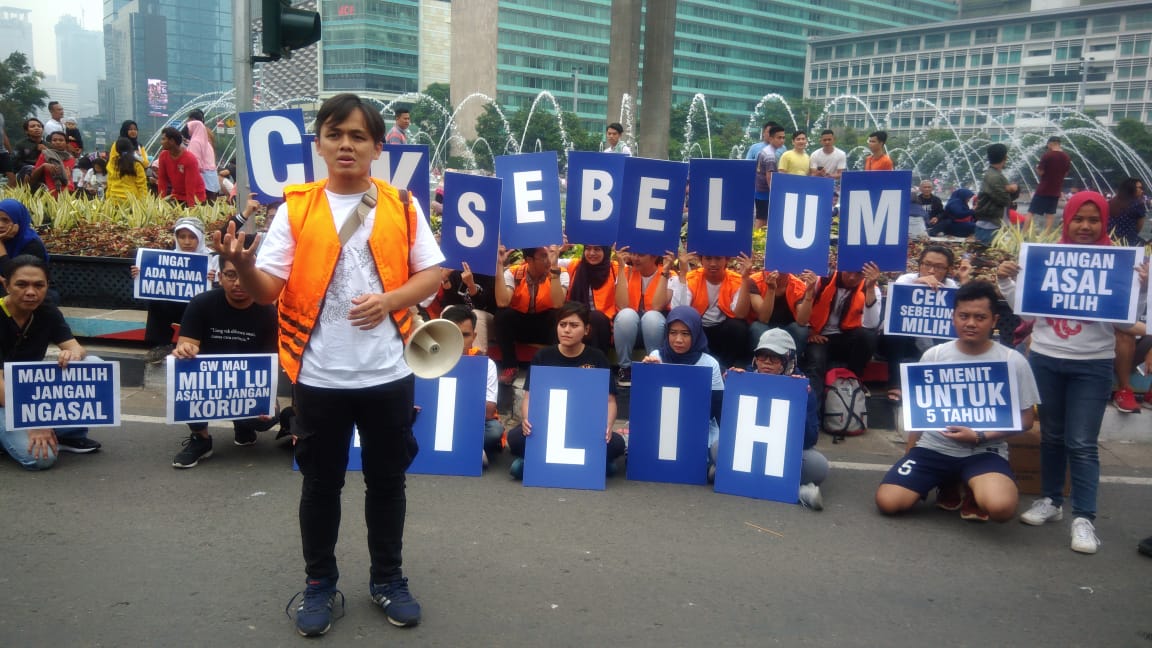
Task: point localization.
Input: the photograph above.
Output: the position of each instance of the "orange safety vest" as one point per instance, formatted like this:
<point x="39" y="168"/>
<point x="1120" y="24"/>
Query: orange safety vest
<point x="793" y="293"/>
<point x="822" y="307"/>
<point x="317" y="251"/>
<point x="521" y="296"/>
<point x="604" y="297"/>
<point x="473" y="351"/>
<point x="699" y="287"/>
<point x="635" y="283"/>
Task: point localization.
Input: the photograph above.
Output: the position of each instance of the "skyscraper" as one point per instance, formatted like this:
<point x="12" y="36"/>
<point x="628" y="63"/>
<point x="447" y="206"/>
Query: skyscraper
<point x="16" y="33"/>
<point x="80" y="61"/>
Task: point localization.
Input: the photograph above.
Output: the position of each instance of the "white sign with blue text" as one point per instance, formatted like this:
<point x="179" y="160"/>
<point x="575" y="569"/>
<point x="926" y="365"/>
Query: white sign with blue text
<point x="720" y="206"/>
<point x="46" y="395"/>
<point x="668" y="431"/>
<point x="1084" y="282"/>
<point x="653" y="209"/>
<point x="169" y="275"/>
<point x="799" y="223"/>
<point x="595" y="183"/>
<point x="762" y="436"/>
<point x="874" y="220"/>
<point x="221" y="387"/>
<point x="530" y="204"/>
<point x="979" y="395"/>
<point x="450" y="427"/>
<point x="568" y="409"/>
<point x="470" y="229"/>
<point x="917" y="310"/>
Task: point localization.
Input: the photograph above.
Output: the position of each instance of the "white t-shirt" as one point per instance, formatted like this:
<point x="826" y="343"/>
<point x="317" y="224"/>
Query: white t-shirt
<point x="492" y="385"/>
<point x="717" y="385"/>
<point x="339" y="355"/>
<point x="1025" y="383"/>
<point x="832" y="162"/>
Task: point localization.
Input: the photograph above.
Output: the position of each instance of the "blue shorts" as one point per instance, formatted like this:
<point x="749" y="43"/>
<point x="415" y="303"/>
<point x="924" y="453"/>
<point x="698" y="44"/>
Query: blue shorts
<point x="921" y="469"/>
<point x="1043" y="204"/>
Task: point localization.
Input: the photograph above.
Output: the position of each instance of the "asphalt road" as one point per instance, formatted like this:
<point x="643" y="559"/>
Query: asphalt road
<point x="120" y="549"/>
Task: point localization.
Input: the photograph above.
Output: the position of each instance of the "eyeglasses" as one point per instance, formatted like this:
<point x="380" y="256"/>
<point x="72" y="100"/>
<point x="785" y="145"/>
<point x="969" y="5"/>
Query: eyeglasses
<point x="230" y="275"/>
<point x="932" y="267"/>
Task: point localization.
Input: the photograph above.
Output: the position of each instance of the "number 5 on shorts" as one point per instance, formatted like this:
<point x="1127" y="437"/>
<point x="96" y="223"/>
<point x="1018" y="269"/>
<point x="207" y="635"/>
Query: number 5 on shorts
<point x="906" y="467"/>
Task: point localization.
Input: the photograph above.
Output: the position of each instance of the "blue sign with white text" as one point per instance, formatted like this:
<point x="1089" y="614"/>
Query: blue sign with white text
<point x="405" y="166"/>
<point x="979" y="395"/>
<point x="874" y="220"/>
<point x="568" y="409"/>
<point x="275" y="149"/>
<point x="530" y="204"/>
<point x="762" y="436"/>
<point x="450" y="427"/>
<point x="653" y="208"/>
<point x="221" y="387"/>
<point x="168" y="275"/>
<point x="1084" y="282"/>
<point x="721" y="204"/>
<point x="44" y="395"/>
<point x="799" y="224"/>
<point x="919" y="311"/>
<point x="668" y="423"/>
<point x="592" y="214"/>
<point x="470" y="228"/>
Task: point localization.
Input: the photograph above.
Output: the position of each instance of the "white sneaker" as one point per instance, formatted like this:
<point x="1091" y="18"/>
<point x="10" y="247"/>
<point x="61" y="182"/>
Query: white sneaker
<point x="810" y="497"/>
<point x="1042" y="511"/>
<point x="1084" y="538"/>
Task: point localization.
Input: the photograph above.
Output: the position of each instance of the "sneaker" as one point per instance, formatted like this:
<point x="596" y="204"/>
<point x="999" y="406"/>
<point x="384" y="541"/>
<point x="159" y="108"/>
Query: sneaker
<point x="508" y="376"/>
<point x="1125" y="401"/>
<point x="157" y="354"/>
<point x="1042" y="511"/>
<point x="401" y="609"/>
<point x="483" y="458"/>
<point x="1146" y="400"/>
<point x="950" y="497"/>
<point x="286" y="417"/>
<point x="314" y="614"/>
<point x="196" y="448"/>
<point x="517" y="469"/>
<point x="970" y="510"/>
<point x="624" y="377"/>
<point x="810" y="497"/>
<point x="1084" y="538"/>
<point x="245" y="437"/>
<point x="1145" y="547"/>
<point x="77" y="445"/>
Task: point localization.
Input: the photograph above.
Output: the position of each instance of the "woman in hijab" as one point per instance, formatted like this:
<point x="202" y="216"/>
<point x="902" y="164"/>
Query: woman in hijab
<point x="131" y="131"/>
<point x="956" y="219"/>
<point x="594" y="285"/>
<point x="200" y="145"/>
<point x="17" y="233"/>
<point x="162" y="315"/>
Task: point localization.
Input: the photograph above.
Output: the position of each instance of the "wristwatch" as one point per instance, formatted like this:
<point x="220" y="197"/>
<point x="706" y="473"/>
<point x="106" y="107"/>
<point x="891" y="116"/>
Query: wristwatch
<point x="981" y="438"/>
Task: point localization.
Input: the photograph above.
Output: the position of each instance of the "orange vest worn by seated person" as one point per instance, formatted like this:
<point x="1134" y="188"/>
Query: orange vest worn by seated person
<point x="521" y="296"/>
<point x="822" y="307"/>
<point x="317" y="251"/>
<point x="793" y="293"/>
<point x="604" y="297"/>
<point x="635" y="282"/>
<point x="699" y="287"/>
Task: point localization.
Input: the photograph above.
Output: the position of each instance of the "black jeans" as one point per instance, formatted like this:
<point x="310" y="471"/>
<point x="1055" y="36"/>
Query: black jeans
<point x="728" y="343"/>
<point x="514" y="327"/>
<point x="161" y="316"/>
<point x="852" y="349"/>
<point x="383" y="415"/>
<point x="517" y="440"/>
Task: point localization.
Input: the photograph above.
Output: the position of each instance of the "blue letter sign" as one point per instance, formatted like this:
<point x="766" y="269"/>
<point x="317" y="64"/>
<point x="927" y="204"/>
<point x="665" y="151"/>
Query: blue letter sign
<point x="874" y="220"/>
<point x="668" y="429"/>
<point x="568" y="409"/>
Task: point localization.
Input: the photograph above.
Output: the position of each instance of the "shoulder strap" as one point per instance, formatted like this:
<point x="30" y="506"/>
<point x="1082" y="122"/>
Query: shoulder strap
<point x="406" y="201"/>
<point x="363" y="209"/>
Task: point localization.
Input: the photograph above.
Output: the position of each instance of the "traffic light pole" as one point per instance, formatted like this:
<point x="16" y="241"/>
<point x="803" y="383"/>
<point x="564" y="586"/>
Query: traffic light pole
<point x="242" y="76"/>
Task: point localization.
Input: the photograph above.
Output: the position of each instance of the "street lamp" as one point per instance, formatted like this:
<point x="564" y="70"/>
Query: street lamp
<point x="1084" y="61"/>
<point x="576" y="88"/>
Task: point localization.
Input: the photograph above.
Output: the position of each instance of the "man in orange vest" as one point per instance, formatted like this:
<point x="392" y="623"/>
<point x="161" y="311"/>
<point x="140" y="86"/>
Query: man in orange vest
<point x="527" y="300"/>
<point x="723" y="298"/>
<point x="782" y="305"/>
<point x="845" y="311"/>
<point x="642" y="302"/>
<point x="347" y="258"/>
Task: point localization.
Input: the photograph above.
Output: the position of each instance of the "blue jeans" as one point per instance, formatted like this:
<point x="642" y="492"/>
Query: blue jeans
<point x="1073" y="395"/>
<point x="984" y="236"/>
<point x="629" y="325"/>
<point x="493" y="432"/>
<point x="15" y="443"/>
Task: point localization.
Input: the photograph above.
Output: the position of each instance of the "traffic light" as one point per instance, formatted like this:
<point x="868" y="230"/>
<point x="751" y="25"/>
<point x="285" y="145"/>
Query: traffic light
<point x="287" y="28"/>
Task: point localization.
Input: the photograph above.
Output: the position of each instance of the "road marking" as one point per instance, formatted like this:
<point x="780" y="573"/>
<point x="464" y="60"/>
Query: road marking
<point x="160" y="420"/>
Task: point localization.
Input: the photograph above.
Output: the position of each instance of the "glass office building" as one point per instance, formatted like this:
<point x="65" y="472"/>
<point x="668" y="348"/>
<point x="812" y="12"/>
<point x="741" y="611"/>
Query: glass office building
<point x="370" y="46"/>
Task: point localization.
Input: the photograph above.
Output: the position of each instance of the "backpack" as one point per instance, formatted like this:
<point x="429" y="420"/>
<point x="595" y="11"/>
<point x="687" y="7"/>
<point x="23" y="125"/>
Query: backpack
<point x="845" y="405"/>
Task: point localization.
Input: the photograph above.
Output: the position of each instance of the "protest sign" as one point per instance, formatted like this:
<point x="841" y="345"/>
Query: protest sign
<point x="668" y="423"/>
<point x="980" y="395"/>
<point x="762" y="436"/>
<point x="1084" y="282"/>
<point x="799" y="224"/>
<point x="592" y="214"/>
<point x="405" y="166"/>
<point x="720" y="206"/>
<point x="44" y="395"/>
<point x="653" y="208"/>
<point x="470" y="228"/>
<point x="276" y="151"/>
<point x="168" y="275"/>
<point x="221" y="387"/>
<point x="450" y="427"/>
<point x="874" y="220"/>
<point x="568" y="410"/>
<point x="917" y="310"/>
<point x="530" y="201"/>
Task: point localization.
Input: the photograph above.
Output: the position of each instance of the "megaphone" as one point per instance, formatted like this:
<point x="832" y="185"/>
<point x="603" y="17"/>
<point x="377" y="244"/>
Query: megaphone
<point x="434" y="348"/>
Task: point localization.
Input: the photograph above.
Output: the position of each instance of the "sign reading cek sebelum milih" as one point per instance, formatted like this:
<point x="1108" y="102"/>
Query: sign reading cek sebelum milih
<point x="917" y="310"/>
<point x="1084" y="282"/>
<point x="44" y="395"/>
<point x="874" y="220"/>
<point x="979" y="395"/>
<point x="170" y="275"/>
<point x="221" y="387"/>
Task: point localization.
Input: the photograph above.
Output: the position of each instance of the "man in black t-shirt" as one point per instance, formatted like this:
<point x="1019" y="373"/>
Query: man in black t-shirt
<point x="224" y="320"/>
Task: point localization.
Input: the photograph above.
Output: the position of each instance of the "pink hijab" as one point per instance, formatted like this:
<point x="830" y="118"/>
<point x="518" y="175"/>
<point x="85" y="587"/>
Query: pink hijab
<point x="201" y="146"/>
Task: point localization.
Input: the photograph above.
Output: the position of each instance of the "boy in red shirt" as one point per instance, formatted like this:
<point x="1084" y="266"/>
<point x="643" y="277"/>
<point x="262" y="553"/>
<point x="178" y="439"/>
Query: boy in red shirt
<point x="178" y="173"/>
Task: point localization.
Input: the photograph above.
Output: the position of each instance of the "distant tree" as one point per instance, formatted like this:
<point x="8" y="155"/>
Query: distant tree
<point x="430" y="118"/>
<point x="543" y="134"/>
<point x="20" y="93"/>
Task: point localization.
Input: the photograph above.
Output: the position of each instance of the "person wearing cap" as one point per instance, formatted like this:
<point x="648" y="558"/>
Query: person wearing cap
<point x="1052" y="168"/>
<point x="776" y="354"/>
<point x="995" y="197"/>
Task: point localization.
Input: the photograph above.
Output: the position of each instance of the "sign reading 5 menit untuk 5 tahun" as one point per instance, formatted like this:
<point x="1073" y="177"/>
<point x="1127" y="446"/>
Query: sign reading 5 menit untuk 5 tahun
<point x="221" y="387"/>
<point x="169" y="275"/>
<point x="1084" y="282"/>
<point x="46" y="395"/>
<point x="978" y="395"/>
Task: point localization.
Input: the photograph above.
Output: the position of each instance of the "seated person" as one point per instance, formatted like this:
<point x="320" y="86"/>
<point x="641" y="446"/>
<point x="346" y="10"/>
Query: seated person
<point x="225" y="320"/>
<point x="686" y="344"/>
<point x="785" y="303"/>
<point x="642" y="298"/>
<point x="957" y="218"/>
<point x="845" y="315"/>
<point x="477" y="292"/>
<point x="776" y="354"/>
<point x="1133" y="349"/>
<point x="979" y="459"/>
<point x="592" y="282"/>
<point x="572" y="326"/>
<point x="53" y="169"/>
<point x="526" y="302"/>
<point x="723" y="299"/>
<point x="465" y="318"/>
<point x="27" y="326"/>
<point x="17" y="233"/>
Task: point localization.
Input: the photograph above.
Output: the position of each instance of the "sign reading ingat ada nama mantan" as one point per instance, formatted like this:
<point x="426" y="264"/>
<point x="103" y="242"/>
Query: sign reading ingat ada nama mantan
<point x="170" y="275"/>
<point x="45" y="395"/>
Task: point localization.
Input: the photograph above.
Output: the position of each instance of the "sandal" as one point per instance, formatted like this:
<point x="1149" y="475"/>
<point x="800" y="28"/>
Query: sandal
<point x="894" y="396"/>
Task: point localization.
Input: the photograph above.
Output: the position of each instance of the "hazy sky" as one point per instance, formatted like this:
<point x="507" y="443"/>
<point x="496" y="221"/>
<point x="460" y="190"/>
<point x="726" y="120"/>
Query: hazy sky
<point x="45" y="15"/>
